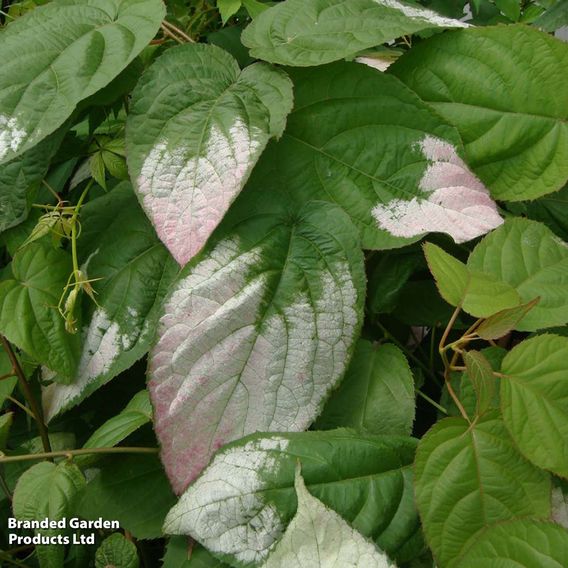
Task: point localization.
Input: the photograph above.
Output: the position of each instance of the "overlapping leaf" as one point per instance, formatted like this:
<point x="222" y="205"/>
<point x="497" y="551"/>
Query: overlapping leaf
<point x="531" y="258"/>
<point x="360" y="139"/>
<point x="133" y="281"/>
<point x="314" y="32"/>
<point x="377" y="394"/>
<point x="509" y="102"/>
<point x="534" y="400"/>
<point x="196" y="128"/>
<point x="256" y="333"/>
<point x="241" y="504"/>
<point x="59" y="54"/>
<point x="469" y="477"/>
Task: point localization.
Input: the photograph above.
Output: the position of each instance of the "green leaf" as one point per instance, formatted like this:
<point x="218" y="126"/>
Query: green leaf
<point x="514" y="141"/>
<point x="20" y="179"/>
<point x="228" y="8"/>
<point x="523" y="543"/>
<point x="313" y="32"/>
<point x="137" y="413"/>
<point x="510" y="8"/>
<point x="319" y="538"/>
<point x="42" y="51"/>
<point x="180" y="554"/>
<point x="503" y="322"/>
<point x="192" y="144"/>
<point x="131" y="489"/>
<point x="256" y="333"/>
<point x="7" y="385"/>
<point x="116" y="552"/>
<point x="469" y="477"/>
<point x="47" y="490"/>
<point x="243" y="501"/>
<point x="477" y="293"/>
<point x="133" y="280"/>
<point x="534" y="400"/>
<point x="376" y="395"/>
<point x="529" y="257"/>
<point x="28" y="308"/>
<point x="97" y="169"/>
<point x="362" y="140"/>
<point x="481" y="375"/>
<point x="554" y="18"/>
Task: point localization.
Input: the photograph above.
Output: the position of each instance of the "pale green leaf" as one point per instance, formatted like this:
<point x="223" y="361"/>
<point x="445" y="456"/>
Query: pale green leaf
<point x="196" y="128"/>
<point x="469" y="477"/>
<point x="241" y="504"/>
<point x="228" y="8"/>
<point x="313" y="32"/>
<point x="132" y="281"/>
<point x="28" y="308"/>
<point x="481" y="375"/>
<point x="377" y="394"/>
<point x="363" y="141"/>
<point x="534" y="400"/>
<point x="477" y="293"/>
<point x="48" y="490"/>
<point x="256" y="333"/>
<point x="503" y="322"/>
<point x="42" y="52"/>
<point x="532" y="259"/>
<point x="523" y="543"/>
<point x="317" y="537"/>
<point x="116" y="552"/>
<point x="511" y="111"/>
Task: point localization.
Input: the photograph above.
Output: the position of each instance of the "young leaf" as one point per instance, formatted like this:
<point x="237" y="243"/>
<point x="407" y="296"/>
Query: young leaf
<point x="116" y="552"/>
<point x="319" y="538"/>
<point x="133" y="490"/>
<point x="192" y="144"/>
<point x="241" y="504"/>
<point x="481" y="375"/>
<point x="41" y="51"/>
<point x="365" y="142"/>
<point x="228" y="8"/>
<point x="134" y="278"/>
<point x="478" y="294"/>
<point x="377" y="394"/>
<point x="534" y="400"/>
<point x="314" y="32"/>
<point x="28" y="308"/>
<point x="469" y="477"/>
<point x="255" y="334"/>
<point x="513" y="141"/>
<point x="501" y="323"/>
<point x="523" y="543"/>
<point x="532" y="259"/>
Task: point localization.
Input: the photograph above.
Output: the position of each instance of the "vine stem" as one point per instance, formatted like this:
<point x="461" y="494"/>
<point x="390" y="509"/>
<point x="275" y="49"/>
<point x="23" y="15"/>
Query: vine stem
<point x="80" y="452"/>
<point x="73" y="222"/>
<point x="432" y="402"/>
<point x="28" y="394"/>
<point x="175" y="32"/>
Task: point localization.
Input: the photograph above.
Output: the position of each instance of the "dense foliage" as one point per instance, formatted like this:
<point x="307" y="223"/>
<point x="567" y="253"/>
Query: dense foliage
<point x="284" y="284"/>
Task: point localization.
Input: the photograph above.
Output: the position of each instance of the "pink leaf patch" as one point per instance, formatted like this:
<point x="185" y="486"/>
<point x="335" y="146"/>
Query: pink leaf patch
<point x="454" y="202"/>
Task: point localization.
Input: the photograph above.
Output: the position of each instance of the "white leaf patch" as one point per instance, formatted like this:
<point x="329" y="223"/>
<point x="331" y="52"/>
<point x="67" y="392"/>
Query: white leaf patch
<point x="318" y="537"/>
<point x="227" y="364"/>
<point x="455" y="201"/>
<point x="103" y="343"/>
<point x="186" y="196"/>
<point x="223" y="509"/>
<point x="11" y="135"/>
<point x="418" y="13"/>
